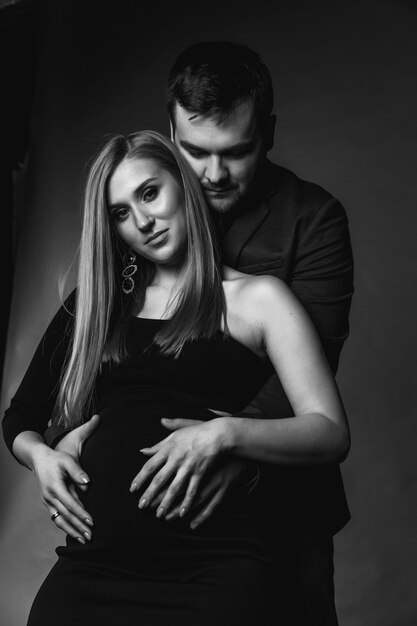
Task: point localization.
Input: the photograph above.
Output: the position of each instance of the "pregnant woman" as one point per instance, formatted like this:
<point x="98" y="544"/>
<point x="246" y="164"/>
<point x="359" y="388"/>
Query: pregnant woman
<point x="158" y="329"/>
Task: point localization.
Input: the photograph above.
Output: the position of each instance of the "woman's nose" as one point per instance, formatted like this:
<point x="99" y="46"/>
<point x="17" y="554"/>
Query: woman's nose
<point x="144" y="222"/>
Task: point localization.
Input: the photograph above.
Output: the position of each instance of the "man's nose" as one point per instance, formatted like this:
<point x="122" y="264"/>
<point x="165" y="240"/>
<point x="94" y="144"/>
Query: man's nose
<point x="216" y="171"/>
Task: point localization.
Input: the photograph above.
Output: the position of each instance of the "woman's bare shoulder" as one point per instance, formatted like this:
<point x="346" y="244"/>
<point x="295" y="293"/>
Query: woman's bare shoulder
<point x="258" y="303"/>
<point x="250" y="288"/>
<point x="257" y="306"/>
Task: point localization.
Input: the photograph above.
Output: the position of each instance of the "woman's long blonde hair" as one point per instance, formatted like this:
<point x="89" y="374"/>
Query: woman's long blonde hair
<point x="102" y="310"/>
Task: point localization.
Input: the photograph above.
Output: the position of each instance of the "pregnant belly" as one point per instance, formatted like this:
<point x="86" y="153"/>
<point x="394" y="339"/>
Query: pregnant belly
<point x="112" y="453"/>
<point x="112" y="458"/>
<point x="133" y="538"/>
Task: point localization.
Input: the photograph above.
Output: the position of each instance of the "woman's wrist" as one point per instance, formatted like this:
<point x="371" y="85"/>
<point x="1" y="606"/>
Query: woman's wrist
<point x="37" y="454"/>
<point x="29" y="447"/>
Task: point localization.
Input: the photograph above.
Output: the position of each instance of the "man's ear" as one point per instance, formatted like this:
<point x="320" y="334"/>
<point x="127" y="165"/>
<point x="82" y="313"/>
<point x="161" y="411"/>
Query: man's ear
<point x="270" y="132"/>
<point x="171" y="130"/>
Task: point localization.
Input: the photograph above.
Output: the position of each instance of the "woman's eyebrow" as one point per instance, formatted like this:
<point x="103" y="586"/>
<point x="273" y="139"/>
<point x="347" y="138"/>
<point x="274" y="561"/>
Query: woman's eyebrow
<point x="136" y="192"/>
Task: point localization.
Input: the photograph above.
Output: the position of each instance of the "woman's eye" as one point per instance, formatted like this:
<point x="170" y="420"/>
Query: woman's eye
<point x="149" y="194"/>
<point x="120" y="214"/>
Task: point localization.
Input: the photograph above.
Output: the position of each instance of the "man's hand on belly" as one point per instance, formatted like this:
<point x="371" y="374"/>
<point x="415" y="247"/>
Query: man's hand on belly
<point x="208" y="493"/>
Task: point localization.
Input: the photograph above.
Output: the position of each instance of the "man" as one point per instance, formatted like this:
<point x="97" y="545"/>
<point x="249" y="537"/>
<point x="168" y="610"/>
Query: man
<point x="270" y="222"/>
<point x="220" y="104"/>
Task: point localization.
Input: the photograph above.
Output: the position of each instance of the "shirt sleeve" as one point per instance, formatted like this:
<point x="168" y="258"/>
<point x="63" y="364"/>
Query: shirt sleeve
<point x="322" y="276"/>
<point x="33" y="403"/>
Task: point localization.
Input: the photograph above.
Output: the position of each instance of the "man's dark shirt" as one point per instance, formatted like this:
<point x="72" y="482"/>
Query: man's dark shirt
<point x="298" y="232"/>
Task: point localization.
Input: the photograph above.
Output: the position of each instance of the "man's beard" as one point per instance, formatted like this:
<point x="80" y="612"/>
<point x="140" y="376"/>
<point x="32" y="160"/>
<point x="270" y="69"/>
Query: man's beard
<point x="224" y="205"/>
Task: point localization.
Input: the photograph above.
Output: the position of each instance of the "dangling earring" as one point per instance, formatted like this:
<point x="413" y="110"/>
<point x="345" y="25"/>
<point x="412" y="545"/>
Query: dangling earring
<point x="128" y="284"/>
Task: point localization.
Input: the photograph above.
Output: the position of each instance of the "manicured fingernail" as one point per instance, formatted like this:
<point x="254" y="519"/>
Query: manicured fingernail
<point x="84" y="479"/>
<point x="183" y="511"/>
<point x="143" y="503"/>
<point x="160" y="512"/>
<point x="87" y="535"/>
<point x="193" y="525"/>
<point x="133" y="487"/>
<point x="88" y="521"/>
<point x="81" y="540"/>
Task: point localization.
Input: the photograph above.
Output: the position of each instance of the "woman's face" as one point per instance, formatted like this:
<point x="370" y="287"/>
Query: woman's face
<point x="146" y="205"/>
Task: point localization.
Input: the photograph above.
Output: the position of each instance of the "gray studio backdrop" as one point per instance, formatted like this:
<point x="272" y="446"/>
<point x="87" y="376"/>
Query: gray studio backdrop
<point x="345" y="84"/>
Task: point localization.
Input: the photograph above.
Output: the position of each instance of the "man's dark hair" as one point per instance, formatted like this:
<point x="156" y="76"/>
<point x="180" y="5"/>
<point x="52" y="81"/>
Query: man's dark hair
<point x="214" y="77"/>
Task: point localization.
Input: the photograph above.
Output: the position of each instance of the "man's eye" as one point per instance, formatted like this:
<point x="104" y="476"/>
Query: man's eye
<point x="239" y="154"/>
<point x="149" y="194"/>
<point x="196" y="154"/>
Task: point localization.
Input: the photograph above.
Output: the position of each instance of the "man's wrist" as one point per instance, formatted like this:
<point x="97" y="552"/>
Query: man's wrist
<point x="228" y="434"/>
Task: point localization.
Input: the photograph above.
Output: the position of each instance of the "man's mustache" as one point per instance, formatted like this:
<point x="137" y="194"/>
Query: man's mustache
<point x="222" y="188"/>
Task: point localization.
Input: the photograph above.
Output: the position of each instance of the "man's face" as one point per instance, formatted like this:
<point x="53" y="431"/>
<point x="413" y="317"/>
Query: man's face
<point x="225" y="155"/>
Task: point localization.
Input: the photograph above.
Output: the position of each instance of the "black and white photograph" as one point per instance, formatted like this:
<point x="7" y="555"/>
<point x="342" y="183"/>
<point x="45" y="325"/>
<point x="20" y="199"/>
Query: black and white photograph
<point x="208" y="329"/>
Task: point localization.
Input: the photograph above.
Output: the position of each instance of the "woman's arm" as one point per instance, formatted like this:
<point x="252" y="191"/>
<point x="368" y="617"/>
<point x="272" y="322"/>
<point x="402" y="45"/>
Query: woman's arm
<point x="57" y="473"/>
<point x="26" y="420"/>
<point x="318" y="432"/>
<point x="27" y="447"/>
<point x="274" y="321"/>
<point x="33" y="404"/>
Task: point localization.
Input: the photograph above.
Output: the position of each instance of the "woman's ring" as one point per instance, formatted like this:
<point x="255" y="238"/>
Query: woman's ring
<point x="55" y="515"/>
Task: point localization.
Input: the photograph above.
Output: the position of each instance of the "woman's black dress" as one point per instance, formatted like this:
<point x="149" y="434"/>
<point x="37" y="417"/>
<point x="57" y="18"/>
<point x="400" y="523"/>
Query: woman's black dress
<point x="140" y="570"/>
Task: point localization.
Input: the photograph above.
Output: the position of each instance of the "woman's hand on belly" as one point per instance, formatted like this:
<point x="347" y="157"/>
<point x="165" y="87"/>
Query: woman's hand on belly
<point x="179" y="463"/>
<point x="59" y="474"/>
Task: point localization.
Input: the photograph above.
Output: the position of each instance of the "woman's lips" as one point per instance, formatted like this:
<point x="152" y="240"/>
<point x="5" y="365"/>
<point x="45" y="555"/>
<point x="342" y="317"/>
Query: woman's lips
<point x="157" y="237"/>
